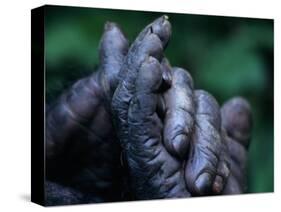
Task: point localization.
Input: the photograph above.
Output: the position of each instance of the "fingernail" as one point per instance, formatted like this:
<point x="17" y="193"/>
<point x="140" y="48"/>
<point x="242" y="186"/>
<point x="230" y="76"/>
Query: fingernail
<point x="162" y="28"/>
<point x="203" y="183"/>
<point x="218" y="185"/>
<point x="167" y="80"/>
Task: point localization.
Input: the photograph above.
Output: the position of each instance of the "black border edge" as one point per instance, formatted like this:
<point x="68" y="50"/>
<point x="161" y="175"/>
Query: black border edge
<point x="38" y="106"/>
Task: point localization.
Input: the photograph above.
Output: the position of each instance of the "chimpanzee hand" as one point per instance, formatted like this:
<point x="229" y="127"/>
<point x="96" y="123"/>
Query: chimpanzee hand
<point x="81" y="151"/>
<point x="82" y="154"/>
<point x="235" y="132"/>
<point x="175" y="149"/>
<point x="192" y="133"/>
<point x="237" y="124"/>
<point x="177" y="153"/>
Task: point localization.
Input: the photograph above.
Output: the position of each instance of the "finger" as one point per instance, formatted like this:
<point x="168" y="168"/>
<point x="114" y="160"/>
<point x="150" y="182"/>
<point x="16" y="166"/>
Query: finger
<point x="154" y="172"/>
<point x="166" y="75"/>
<point x="221" y="178"/>
<point x="237" y="120"/>
<point x="145" y="129"/>
<point x="165" y="85"/>
<point x="223" y="168"/>
<point x="142" y="118"/>
<point x="238" y="161"/>
<point x="179" y="117"/>
<point x="142" y="108"/>
<point x="148" y="43"/>
<point x="206" y="145"/>
<point x="148" y="81"/>
<point x="71" y="111"/>
<point x="112" y="50"/>
<point x="156" y="27"/>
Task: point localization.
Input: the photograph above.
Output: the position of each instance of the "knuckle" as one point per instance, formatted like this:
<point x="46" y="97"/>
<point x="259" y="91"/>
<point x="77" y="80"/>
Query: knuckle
<point x="182" y="76"/>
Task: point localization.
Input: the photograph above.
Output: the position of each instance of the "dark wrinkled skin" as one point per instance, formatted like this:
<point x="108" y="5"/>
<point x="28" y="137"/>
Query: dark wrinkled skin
<point x="81" y="148"/>
<point x="175" y="141"/>
<point x="237" y="123"/>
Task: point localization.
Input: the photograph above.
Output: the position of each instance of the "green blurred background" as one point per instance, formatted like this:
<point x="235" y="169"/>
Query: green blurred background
<point x="226" y="56"/>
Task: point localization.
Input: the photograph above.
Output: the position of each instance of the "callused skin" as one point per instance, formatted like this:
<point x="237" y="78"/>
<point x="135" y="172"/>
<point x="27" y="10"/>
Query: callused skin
<point x="174" y="140"/>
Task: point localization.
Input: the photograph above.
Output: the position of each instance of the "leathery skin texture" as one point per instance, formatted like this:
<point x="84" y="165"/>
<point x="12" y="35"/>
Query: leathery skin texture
<point x="137" y="129"/>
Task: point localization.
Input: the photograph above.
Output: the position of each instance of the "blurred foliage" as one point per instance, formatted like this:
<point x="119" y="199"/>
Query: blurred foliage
<point x="226" y="56"/>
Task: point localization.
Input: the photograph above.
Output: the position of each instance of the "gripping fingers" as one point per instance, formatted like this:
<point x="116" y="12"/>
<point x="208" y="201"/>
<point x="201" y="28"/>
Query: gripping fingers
<point x="144" y="149"/>
<point x="148" y="43"/>
<point x="143" y="105"/>
<point x="154" y="172"/>
<point x="206" y="146"/>
<point x="179" y="117"/>
<point x="237" y="122"/>
<point x="223" y="172"/>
